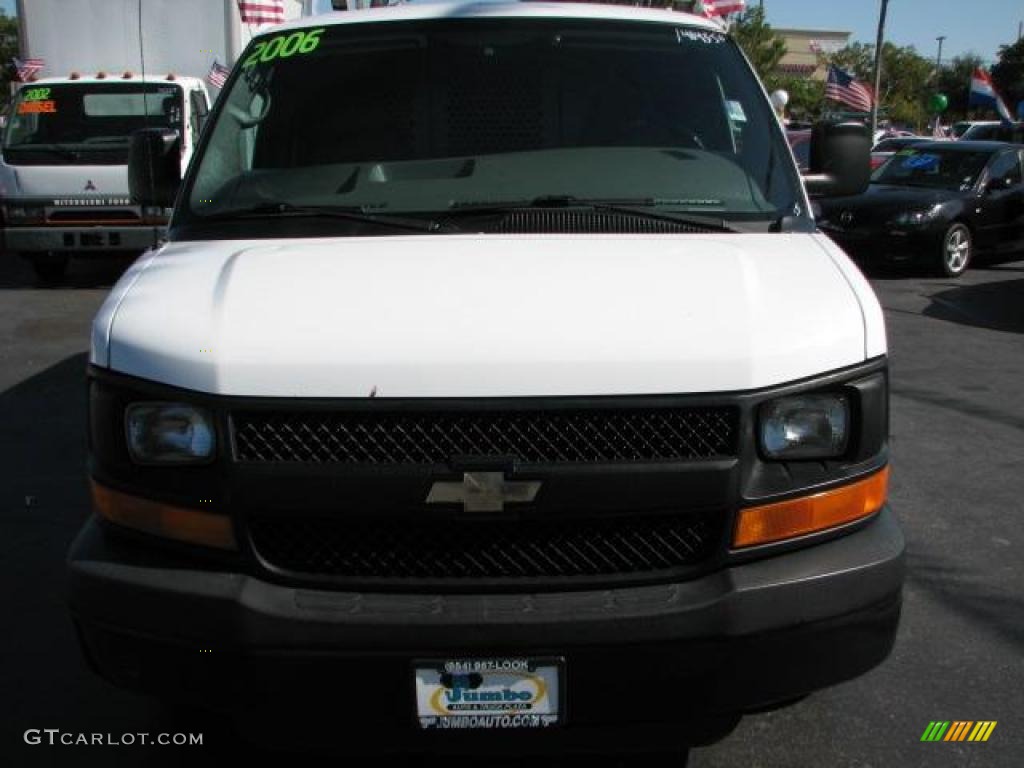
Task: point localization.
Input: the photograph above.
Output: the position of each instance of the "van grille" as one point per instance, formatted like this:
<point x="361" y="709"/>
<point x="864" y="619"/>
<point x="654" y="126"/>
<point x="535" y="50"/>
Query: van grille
<point x="531" y="437"/>
<point x="467" y="551"/>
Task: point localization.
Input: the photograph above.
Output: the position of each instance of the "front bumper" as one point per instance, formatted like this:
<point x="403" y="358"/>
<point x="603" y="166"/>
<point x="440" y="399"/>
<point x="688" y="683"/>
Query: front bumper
<point x="749" y="636"/>
<point x="884" y="246"/>
<point x="82" y="240"/>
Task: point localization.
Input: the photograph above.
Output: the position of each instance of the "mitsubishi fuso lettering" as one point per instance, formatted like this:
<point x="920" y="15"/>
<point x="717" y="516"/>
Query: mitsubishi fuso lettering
<point x="493" y="391"/>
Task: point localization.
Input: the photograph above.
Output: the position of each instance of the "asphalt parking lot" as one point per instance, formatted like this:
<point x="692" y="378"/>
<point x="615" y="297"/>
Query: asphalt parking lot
<point x="957" y="355"/>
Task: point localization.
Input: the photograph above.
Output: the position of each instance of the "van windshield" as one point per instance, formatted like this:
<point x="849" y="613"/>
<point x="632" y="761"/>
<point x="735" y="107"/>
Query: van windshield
<point x="435" y="116"/>
<point x="86" y="123"/>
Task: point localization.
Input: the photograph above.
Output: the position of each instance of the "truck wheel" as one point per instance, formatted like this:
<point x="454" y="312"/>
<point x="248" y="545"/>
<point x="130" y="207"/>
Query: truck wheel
<point x="50" y="269"/>
<point x="957" y="249"/>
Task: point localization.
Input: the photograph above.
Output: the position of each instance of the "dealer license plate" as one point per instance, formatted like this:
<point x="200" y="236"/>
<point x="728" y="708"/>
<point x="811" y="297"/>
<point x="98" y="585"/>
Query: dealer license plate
<point x="501" y="693"/>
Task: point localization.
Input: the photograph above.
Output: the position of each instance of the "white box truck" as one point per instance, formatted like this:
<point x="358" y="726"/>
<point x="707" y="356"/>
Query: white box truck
<point x="108" y="72"/>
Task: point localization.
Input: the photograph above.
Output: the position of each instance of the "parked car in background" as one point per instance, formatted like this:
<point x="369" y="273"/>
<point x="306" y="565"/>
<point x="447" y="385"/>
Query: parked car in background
<point x="1011" y="132"/>
<point x="936" y="202"/>
<point x="891" y="133"/>
<point x="886" y="148"/>
<point x="800" y="143"/>
<point x="959" y="129"/>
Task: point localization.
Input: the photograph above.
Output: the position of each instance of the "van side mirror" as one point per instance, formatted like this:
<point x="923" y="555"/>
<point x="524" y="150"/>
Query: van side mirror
<point x="201" y="108"/>
<point x="840" y="160"/>
<point x="154" y="167"/>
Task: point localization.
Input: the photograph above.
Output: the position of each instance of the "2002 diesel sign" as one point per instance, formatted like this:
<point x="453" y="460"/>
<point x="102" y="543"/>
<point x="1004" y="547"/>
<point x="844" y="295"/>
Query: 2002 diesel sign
<point x="54" y="736"/>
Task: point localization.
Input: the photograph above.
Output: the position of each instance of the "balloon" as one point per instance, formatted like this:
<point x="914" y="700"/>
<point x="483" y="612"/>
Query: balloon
<point x="938" y="103"/>
<point x="779" y="99"/>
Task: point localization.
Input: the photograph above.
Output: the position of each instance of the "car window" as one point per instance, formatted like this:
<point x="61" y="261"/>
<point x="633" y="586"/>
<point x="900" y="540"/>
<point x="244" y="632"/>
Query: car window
<point x="981" y="133"/>
<point x="933" y="166"/>
<point x="94" y="119"/>
<point x="1006" y="167"/>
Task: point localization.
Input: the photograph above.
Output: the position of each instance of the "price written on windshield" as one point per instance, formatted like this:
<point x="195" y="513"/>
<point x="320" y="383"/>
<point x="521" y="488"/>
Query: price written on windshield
<point x="37" y="107"/>
<point x="301" y="41"/>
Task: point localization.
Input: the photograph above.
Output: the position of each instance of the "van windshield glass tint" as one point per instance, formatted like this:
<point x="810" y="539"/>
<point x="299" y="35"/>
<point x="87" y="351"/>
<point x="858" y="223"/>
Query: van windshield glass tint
<point x="432" y="116"/>
<point x="68" y="123"/>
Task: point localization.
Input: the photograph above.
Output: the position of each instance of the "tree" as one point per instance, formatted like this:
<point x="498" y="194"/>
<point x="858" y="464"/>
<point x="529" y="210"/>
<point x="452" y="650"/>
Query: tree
<point x="763" y="46"/>
<point x="906" y="85"/>
<point x="857" y="59"/>
<point x="954" y="80"/>
<point x="906" y="79"/>
<point x="1008" y="73"/>
<point x="806" y="95"/>
<point x="8" y="50"/>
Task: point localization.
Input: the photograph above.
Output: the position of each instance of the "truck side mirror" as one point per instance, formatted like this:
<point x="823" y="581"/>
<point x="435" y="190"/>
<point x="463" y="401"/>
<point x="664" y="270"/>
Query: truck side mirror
<point x="154" y="167"/>
<point x="840" y="160"/>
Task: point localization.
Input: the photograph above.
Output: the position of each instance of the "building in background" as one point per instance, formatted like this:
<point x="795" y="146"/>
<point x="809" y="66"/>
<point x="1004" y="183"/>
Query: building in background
<point x="804" y="50"/>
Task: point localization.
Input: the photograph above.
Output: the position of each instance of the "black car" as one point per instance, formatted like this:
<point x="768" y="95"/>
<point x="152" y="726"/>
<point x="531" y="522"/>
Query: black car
<point x="937" y="203"/>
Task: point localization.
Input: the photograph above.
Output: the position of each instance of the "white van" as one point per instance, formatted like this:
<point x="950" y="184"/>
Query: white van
<point x="494" y="391"/>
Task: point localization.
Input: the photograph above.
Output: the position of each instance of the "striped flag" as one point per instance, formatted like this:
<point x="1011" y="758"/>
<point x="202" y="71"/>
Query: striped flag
<point x="218" y="74"/>
<point x="28" y="68"/>
<point x="843" y="87"/>
<point x="983" y="93"/>
<point x="261" y="11"/>
<point x="712" y="8"/>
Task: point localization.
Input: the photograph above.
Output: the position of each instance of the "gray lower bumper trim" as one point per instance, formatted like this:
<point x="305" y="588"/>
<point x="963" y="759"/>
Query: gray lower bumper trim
<point x="176" y="602"/>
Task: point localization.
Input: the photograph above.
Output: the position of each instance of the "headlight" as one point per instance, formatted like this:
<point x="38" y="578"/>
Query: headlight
<point x="805" y="427"/>
<point x="169" y="433"/>
<point x="915" y="218"/>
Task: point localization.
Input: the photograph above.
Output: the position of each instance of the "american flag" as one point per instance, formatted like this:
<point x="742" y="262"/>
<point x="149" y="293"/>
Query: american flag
<point x="261" y="11"/>
<point x="711" y="8"/>
<point x="218" y="74"/>
<point x="843" y="87"/>
<point x="28" y="68"/>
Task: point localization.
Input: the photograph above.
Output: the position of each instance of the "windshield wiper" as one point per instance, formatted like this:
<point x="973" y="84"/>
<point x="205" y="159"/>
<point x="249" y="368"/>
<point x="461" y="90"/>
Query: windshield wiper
<point x="644" y="207"/>
<point x="289" y="210"/>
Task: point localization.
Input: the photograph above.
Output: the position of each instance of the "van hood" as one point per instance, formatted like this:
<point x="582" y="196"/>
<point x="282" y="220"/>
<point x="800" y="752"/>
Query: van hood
<point x="69" y="181"/>
<point x="475" y="316"/>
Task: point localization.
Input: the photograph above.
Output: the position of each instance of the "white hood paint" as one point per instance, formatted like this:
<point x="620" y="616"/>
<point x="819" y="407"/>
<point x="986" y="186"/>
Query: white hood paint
<point x="473" y="316"/>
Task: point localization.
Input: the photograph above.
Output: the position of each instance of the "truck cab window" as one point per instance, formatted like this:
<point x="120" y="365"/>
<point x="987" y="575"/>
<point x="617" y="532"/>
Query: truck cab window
<point x="87" y="122"/>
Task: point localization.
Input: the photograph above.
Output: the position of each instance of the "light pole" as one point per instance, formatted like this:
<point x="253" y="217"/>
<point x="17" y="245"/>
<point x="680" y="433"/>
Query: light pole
<point x="938" y="59"/>
<point x="878" y="66"/>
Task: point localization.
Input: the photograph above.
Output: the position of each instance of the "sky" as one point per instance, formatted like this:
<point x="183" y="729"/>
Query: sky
<point x="980" y="26"/>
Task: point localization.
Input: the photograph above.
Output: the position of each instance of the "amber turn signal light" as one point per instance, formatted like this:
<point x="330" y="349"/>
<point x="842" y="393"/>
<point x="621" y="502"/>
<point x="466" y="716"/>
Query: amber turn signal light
<point x="810" y="514"/>
<point x="193" y="526"/>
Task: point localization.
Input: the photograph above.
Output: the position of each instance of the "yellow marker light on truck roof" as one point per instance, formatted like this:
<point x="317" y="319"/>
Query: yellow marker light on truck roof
<point x="193" y="526"/>
<point x="810" y="514"/>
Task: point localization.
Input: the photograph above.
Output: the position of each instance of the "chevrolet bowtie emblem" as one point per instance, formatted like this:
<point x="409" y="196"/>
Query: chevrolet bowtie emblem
<point x="483" y="491"/>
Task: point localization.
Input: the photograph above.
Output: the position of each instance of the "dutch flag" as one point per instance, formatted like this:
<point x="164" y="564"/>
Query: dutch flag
<point x="983" y="94"/>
